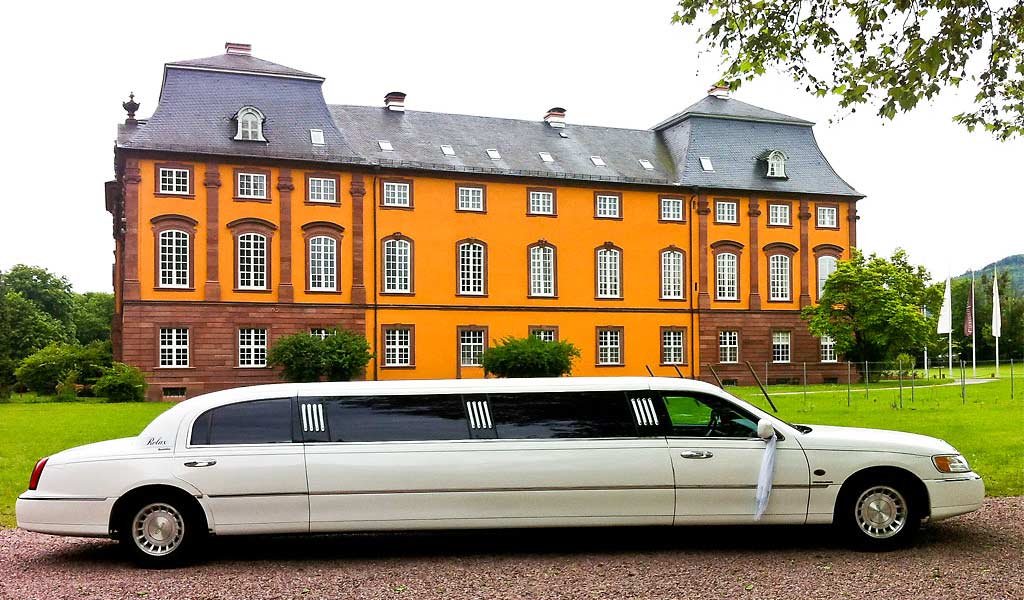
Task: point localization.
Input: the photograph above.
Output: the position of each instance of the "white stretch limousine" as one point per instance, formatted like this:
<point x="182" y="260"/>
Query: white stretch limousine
<point x="329" y="457"/>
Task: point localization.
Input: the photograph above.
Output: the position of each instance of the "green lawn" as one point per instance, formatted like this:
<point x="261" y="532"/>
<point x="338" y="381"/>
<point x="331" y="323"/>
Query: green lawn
<point x="988" y="427"/>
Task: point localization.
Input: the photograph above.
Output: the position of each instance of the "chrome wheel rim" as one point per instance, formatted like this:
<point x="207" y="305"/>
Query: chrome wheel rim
<point x="881" y="512"/>
<point x="158" y="529"/>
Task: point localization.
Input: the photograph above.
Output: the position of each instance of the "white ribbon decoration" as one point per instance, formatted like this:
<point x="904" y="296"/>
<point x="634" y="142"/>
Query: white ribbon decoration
<point x="764" y="480"/>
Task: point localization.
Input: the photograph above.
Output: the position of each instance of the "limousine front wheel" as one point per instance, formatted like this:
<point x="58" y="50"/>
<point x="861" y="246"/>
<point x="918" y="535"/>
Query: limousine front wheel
<point x="160" y="531"/>
<point x="880" y="514"/>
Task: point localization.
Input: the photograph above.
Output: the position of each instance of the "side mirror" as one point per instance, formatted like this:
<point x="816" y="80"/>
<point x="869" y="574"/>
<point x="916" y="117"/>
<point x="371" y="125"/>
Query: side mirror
<point x="765" y="429"/>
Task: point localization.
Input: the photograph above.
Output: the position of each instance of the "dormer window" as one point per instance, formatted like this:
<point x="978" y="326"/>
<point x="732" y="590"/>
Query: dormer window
<point x="776" y="164"/>
<point x="250" y="125"/>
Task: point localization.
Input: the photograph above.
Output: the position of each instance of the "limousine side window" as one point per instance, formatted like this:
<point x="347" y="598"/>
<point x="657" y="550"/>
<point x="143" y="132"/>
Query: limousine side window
<point x="697" y="415"/>
<point x="562" y="415"/>
<point x="256" y="422"/>
<point x="395" y="418"/>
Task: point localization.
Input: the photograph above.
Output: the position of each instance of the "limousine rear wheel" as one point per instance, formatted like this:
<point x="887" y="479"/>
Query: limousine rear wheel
<point x="160" y="531"/>
<point x="880" y="513"/>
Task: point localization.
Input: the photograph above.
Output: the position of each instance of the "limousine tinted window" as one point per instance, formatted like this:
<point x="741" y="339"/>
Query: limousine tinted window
<point x="562" y="415"/>
<point x="257" y="422"/>
<point x="396" y="418"/>
<point x="696" y="415"/>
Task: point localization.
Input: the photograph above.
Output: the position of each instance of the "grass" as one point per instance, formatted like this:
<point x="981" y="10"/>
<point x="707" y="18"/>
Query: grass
<point x="987" y="426"/>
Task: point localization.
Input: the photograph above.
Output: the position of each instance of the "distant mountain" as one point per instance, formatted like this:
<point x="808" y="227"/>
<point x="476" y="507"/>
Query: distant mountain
<point x="1014" y="265"/>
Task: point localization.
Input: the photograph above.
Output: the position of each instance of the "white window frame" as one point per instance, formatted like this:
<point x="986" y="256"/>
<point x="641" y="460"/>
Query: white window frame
<point x="727" y="211"/>
<point x="397" y="266"/>
<point x="609" y="347"/>
<point x="609" y="273"/>
<point x="776" y="165"/>
<point x="828" y="350"/>
<point x="608" y="206"/>
<point x="779" y="214"/>
<point x="673" y="346"/>
<point x="493" y="154"/>
<point x="828" y="217"/>
<point x="398" y="347"/>
<point x="447" y="150"/>
<point x="174" y="348"/>
<point x="472" y="268"/>
<point x="323" y="264"/>
<point x="729" y="347"/>
<point x="316" y="137"/>
<point x="252" y="274"/>
<point x="542" y="202"/>
<point x="174" y="264"/>
<point x="546" y="156"/>
<point x="544" y="334"/>
<point x="646" y="164"/>
<point x="706" y="165"/>
<point x="472" y="343"/>
<point x="672" y="275"/>
<point x="824" y="271"/>
<point x="779" y="276"/>
<point x="252" y="348"/>
<point x="471" y="198"/>
<point x="397" y="193"/>
<point x="252" y="185"/>
<point x="174" y="181"/>
<point x="542" y="271"/>
<point x="671" y="209"/>
<point x="782" y="347"/>
<point x="323" y="189"/>
<point x="321" y="332"/>
<point x="250" y="125"/>
<point x="727" y="285"/>
<point x="598" y="161"/>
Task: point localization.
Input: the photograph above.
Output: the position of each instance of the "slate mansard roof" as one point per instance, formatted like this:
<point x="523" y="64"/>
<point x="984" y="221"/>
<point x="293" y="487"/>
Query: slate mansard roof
<point x="199" y="99"/>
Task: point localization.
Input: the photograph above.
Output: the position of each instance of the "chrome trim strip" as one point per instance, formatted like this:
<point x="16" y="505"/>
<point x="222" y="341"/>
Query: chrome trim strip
<point x="66" y="498"/>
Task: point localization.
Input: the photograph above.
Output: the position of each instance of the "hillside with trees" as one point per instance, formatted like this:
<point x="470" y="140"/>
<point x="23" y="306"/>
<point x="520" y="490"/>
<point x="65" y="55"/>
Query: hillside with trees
<point x="1012" y="266"/>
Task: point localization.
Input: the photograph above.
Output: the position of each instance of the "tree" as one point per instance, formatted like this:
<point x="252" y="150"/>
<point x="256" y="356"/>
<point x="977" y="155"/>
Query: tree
<point x="51" y="293"/>
<point x="529" y="357"/>
<point x="871" y="307"/>
<point x="890" y="53"/>
<point x="303" y="357"/>
<point x="93" y="312"/>
<point x="24" y="329"/>
<point x="1012" y="309"/>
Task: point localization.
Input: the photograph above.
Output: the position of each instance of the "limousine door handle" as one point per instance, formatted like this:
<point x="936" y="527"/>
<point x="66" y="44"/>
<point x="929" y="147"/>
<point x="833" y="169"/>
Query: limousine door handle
<point x="696" y="454"/>
<point x="200" y="463"/>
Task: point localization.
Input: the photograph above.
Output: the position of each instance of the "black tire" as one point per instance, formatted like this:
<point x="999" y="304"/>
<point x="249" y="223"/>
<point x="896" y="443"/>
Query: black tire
<point x="879" y="512"/>
<point x="162" y="530"/>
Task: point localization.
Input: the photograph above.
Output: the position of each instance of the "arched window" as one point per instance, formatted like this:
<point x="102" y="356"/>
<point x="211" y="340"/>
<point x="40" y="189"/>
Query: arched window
<point x="323" y="263"/>
<point x="252" y="261"/>
<point x="174" y="259"/>
<point x="472" y="267"/>
<point x="609" y="271"/>
<point x="726" y="284"/>
<point x="250" y="125"/>
<point x="778" y="277"/>
<point x="397" y="265"/>
<point x="826" y="266"/>
<point x="542" y="270"/>
<point x="672" y="274"/>
<point x="776" y="164"/>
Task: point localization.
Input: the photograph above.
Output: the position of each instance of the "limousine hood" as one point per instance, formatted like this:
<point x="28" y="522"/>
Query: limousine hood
<point x="826" y="437"/>
<point x="119" y="448"/>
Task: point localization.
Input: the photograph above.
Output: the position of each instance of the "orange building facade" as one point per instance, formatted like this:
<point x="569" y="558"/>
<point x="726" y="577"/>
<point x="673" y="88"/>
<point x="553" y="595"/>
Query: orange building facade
<point x="246" y="208"/>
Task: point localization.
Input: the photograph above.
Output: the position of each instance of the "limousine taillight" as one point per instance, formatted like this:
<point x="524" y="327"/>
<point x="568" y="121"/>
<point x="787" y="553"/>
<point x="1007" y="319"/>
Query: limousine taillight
<point x="37" y="472"/>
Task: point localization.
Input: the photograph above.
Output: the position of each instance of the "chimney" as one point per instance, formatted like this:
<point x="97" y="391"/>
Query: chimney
<point x="719" y="91"/>
<point x="555" y="117"/>
<point x="236" y="48"/>
<point x="395" y="101"/>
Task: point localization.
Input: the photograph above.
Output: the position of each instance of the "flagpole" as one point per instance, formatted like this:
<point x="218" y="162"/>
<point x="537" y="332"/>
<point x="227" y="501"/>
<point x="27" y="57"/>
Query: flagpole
<point x="997" y="318"/>
<point x="974" y="345"/>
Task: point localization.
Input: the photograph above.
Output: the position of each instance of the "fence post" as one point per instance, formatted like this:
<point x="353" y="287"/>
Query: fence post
<point x="899" y="375"/>
<point x="867" y="392"/>
<point x="849" y="381"/>
<point x="805" y="386"/>
<point x="913" y="377"/>
<point x="1011" y="378"/>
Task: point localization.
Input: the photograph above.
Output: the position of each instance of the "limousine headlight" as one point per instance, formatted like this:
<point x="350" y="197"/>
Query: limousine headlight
<point x="951" y="463"/>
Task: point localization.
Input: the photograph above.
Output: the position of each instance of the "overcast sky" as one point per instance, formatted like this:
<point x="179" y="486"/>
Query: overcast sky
<point x="953" y="199"/>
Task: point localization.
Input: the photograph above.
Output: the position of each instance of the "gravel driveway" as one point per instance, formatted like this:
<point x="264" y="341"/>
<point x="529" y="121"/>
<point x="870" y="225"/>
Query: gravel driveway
<point x="980" y="555"/>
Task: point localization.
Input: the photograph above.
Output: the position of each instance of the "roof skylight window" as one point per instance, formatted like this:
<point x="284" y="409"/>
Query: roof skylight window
<point x="598" y="161"/>
<point x="646" y="164"/>
<point x="493" y="153"/>
<point x="447" y="150"/>
<point x="546" y="157"/>
<point x="316" y="137"/>
<point x="705" y="163"/>
<point x="385" y="146"/>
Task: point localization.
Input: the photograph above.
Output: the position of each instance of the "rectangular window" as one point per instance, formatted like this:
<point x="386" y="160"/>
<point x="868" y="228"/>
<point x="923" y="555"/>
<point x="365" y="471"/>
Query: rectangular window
<point x="778" y="273"/>
<point x="173" y="347"/>
<point x="780" y="346"/>
<point x="778" y="214"/>
<point x="562" y="415"/>
<point x="471" y="198"/>
<point x="672" y="274"/>
<point x="252" y="261"/>
<point x="321" y="332"/>
<point x="726" y="211"/>
<point x="252" y="347"/>
<point x="471" y="269"/>
<point x="542" y="203"/>
<point x="609" y="346"/>
<point x="542" y="271"/>
<point x="397" y="194"/>
<point x="673" y="346"/>
<point x="726" y="276"/>
<point x="415" y="417"/>
<point x="728" y="346"/>
<point x="252" y="185"/>
<point x="828" y="349"/>
<point x="323" y="189"/>
<point x="607" y="206"/>
<point x="828" y="217"/>
<point x="671" y="209"/>
<point x="546" y="334"/>
<point x="472" y="344"/>
<point x="398" y="347"/>
<point x="609" y="275"/>
<point x="174" y="181"/>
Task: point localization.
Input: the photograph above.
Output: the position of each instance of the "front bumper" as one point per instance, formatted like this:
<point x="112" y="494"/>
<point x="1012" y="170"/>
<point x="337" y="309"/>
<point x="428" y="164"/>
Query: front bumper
<point x="83" y="517"/>
<point x="955" y="495"/>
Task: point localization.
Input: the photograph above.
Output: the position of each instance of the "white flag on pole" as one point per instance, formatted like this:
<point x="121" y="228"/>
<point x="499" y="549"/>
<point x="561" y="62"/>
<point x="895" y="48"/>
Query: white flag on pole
<point x="997" y="317"/>
<point x="946" y="312"/>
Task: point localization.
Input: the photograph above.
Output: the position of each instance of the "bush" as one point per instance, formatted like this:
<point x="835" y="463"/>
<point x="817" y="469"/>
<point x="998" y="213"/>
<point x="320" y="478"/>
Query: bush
<point x="67" y="388"/>
<point x="529" y="357"/>
<point x="43" y="371"/>
<point x="304" y="357"/>
<point x="904" y="362"/>
<point x="121" y="383"/>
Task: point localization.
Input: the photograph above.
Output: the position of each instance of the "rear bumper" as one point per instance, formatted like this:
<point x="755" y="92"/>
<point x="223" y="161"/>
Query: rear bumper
<point x="84" y="517"/>
<point x="955" y="496"/>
